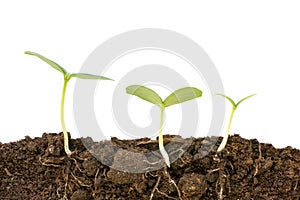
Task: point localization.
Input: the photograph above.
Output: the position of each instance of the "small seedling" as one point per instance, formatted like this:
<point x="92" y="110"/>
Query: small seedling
<point x="234" y="107"/>
<point x="178" y="96"/>
<point x="67" y="77"/>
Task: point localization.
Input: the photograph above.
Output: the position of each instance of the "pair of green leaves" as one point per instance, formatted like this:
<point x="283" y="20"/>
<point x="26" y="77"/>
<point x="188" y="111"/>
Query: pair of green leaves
<point x="64" y="72"/>
<point x="235" y="105"/>
<point x="178" y="96"/>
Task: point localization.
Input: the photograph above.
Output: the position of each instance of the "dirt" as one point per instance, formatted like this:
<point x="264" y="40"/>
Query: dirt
<point x="246" y="169"/>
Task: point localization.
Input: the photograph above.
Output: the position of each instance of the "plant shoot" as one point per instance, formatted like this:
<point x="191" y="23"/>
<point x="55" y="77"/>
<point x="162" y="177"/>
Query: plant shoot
<point x="67" y="77"/>
<point x="234" y="107"/>
<point x="177" y="97"/>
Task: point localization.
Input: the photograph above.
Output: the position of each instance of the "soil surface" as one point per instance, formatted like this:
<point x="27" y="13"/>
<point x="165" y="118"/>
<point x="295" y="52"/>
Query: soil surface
<point x="246" y="169"/>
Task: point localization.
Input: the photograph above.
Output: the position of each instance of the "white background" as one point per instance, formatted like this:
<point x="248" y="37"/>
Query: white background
<point x="255" y="46"/>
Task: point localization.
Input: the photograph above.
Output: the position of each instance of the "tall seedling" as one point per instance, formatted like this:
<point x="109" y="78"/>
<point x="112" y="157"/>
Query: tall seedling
<point x="234" y="107"/>
<point x="179" y="96"/>
<point x="67" y="77"/>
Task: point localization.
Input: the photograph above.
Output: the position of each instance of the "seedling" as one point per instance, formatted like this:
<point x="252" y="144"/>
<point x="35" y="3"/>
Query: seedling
<point x="178" y="96"/>
<point x="234" y="107"/>
<point x="67" y="77"/>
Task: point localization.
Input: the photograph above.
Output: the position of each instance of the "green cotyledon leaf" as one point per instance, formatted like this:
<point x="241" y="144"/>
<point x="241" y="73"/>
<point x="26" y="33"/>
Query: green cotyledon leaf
<point x="182" y="95"/>
<point x="89" y="76"/>
<point x="235" y="105"/>
<point x="48" y="61"/>
<point x="145" y="93"/>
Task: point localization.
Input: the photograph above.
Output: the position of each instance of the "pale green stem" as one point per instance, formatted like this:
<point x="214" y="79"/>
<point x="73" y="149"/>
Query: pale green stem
<point x="225" y="138"/>
<point x="62" y="117"/>
<point x="161" y="139"/>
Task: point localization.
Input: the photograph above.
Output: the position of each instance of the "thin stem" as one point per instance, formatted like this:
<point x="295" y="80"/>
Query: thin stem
<point x="225" y="138"/>
<point x="161" y="139"/>
<point x="230" y="119"/>
<point x="161" y="122"/>
<point x="62" y="117"/>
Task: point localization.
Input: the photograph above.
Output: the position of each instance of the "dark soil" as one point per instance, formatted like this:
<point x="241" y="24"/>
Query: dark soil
<point x="246" y="169"/>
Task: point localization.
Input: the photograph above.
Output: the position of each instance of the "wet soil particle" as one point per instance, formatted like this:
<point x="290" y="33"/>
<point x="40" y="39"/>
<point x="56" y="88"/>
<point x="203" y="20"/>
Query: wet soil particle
<point x="38" y="168"/>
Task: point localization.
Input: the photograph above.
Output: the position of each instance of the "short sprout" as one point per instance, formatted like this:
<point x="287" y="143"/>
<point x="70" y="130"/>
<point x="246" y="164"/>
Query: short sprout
<point x="234" y="107"/>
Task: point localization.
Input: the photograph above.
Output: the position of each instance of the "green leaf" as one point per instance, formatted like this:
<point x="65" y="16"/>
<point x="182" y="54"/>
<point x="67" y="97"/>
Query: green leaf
<point x="182" y="95"/>
<point x="50" y="62"/>
<point x="89" y="76"/>
<point x="245" y="99"/>
<point x="229" y="99"/>
<point x="145" y="93"/>
<point x="235" y="105"/>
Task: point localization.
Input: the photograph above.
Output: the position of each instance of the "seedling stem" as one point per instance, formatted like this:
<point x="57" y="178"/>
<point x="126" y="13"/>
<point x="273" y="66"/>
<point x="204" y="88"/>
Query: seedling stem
<point x="161" y="139"/>
<point x="234" y="107"/>
<point x="62" y="117"/>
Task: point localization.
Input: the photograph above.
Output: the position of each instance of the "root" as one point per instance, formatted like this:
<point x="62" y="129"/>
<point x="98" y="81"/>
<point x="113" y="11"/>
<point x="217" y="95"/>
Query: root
<point x="155" y="187"/>
<point x="57" y="191"/>
<point x="48" y="164"/>
<point x="223" y="181"/>
<point x="95" y="183"/>
<point x="79" y="181"/>
<point x="147" y="172"/>
<point x="220" y="182"/>
<point x="65" y="190"/>
<point x="173" y="182"/>
<point x="228" y="181"/>
<point x="77" y="166"/>
<point x="164" y="194"/>
<point x="66" y="185"/>
<point x="221" y="194"/>
<point x="95" y="179"/>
